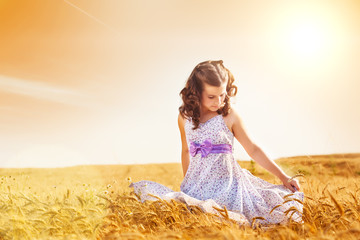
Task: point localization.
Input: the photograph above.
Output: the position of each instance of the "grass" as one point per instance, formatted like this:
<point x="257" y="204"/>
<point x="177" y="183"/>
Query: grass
<point x="94" y="202"/>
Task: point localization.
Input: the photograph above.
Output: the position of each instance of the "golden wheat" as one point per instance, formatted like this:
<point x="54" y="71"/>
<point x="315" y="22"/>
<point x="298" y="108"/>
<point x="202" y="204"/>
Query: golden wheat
<point x="96" y="203"/>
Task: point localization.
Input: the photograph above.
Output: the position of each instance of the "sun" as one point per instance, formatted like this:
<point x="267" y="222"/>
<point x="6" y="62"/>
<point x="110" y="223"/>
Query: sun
<point x="306" y="43"/>
<point x="306" y="39"/>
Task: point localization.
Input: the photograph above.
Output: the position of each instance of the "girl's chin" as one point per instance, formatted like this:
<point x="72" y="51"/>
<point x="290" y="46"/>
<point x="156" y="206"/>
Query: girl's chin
<point x="214" y="108"/>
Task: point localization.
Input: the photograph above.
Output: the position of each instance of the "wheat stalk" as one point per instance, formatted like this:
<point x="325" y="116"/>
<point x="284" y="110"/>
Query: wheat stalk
<point x="337" y="204"/>
<point x="295" y="176"/>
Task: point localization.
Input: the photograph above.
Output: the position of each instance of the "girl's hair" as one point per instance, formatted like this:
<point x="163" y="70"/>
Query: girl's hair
<point x="210" y="72"/>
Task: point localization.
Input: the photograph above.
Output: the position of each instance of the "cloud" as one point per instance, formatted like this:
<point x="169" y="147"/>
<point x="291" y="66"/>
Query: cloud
<point x="45" y="92"/>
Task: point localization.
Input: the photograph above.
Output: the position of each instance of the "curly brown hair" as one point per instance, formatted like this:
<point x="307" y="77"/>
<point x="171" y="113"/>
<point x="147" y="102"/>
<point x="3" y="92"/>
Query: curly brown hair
<point x="210" y="72"/>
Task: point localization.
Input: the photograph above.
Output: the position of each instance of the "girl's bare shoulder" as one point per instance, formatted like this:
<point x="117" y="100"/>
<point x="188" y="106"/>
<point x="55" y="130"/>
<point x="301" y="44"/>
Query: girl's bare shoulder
<point x="181" y="120"/>
<point x="231" y="118"/>
<point x="232" y="115"/>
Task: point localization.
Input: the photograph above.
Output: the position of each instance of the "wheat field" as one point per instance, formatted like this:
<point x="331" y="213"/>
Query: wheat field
<point x="95" y="202"/>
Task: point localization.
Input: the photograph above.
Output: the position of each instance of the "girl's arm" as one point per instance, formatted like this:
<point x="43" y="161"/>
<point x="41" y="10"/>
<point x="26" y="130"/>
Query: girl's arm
<point x="257" y="154"/>
<point x="185" y="157"/>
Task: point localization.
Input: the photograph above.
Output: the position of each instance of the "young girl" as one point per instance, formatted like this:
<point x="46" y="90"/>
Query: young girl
<point x="212" y="177"/>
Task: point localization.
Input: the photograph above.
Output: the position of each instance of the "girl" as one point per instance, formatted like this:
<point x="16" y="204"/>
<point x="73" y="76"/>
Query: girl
<point x="212" y="177"/>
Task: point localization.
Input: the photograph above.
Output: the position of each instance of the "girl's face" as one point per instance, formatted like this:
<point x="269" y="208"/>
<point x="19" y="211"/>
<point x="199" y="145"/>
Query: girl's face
<point x="212" y="98"/>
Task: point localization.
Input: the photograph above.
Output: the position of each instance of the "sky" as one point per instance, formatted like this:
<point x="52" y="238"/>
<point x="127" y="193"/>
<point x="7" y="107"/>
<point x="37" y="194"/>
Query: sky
<point x="98" y="82"/>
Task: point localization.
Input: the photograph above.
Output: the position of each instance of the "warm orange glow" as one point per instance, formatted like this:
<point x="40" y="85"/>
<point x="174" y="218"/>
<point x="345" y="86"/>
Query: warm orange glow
<point x="102" y="79"/>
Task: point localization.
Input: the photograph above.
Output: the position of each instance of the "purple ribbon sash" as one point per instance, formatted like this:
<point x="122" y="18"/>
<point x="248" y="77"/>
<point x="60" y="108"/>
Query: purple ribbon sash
<point x="207" y="147"/>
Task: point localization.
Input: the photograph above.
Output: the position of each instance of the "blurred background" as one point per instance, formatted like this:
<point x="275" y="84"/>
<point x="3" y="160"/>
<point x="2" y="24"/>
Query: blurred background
<point x="98" y="82"/>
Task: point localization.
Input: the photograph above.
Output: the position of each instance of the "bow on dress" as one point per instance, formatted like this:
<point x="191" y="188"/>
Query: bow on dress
<point x="205" y="148"/>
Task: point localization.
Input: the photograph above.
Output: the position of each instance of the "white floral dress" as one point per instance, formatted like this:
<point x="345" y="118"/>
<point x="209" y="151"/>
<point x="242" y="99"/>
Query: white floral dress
<point x="217" y="180"/>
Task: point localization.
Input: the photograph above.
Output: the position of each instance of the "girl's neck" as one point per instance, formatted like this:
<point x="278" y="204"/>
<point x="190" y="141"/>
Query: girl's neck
<point x="204" y="114"/>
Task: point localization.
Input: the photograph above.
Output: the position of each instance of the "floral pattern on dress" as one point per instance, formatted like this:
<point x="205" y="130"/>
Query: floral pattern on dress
<point x="217" y="180"/>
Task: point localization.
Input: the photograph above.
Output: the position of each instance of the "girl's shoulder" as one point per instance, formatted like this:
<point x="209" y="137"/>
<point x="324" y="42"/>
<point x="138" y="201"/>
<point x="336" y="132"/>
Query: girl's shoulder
<point x="230" y="119"/>
<point x="181" y="120"/>
<point x="233" y="119"/>
<point x="231" y="116"/>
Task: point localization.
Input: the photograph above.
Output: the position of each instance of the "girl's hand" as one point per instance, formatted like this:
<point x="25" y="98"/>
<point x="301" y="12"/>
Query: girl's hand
<point x="292" y="184"/>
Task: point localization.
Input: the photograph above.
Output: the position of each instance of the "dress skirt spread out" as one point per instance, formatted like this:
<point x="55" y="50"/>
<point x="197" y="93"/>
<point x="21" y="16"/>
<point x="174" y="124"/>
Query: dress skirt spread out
<point x="215" y="179"/>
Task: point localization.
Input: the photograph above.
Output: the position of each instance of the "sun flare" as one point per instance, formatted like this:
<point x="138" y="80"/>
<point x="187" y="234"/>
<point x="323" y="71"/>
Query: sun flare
<point x="307" y="39"/>
<point x="310" y="39"/>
